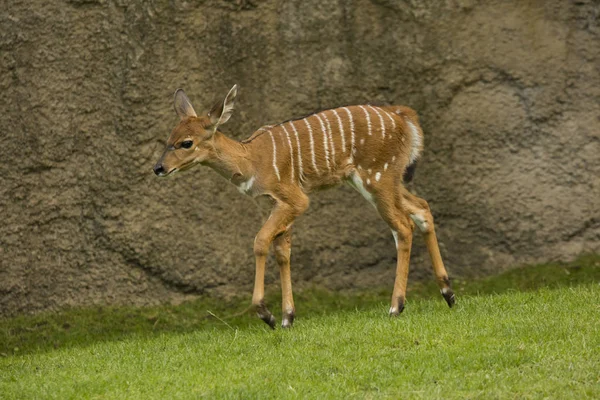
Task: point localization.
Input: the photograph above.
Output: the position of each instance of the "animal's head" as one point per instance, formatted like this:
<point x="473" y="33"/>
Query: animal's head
<point x="191" y="142"/>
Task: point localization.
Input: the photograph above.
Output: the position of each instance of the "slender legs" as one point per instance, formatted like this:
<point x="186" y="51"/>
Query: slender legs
<point x="276" y="230"/>
<point x="402" y="212"/>
<point x="420" y="213"/>
<point x="403" y="236"/>
<point x="400" y="209"/>
<point x="283" y="246"/>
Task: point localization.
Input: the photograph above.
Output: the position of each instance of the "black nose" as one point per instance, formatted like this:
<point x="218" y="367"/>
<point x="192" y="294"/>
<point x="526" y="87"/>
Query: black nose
<point x="159" y="169"/>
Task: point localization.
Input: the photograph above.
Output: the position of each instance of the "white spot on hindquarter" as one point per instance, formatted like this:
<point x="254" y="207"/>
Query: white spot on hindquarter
<point x="385" y="167"/>
<point x="359" y="167"/>
<point x="393" y="158"/>
<point x="246" y="186"/>
<point x="274" y="156"/>
<point x="312" y="144"/>
<point x="369" y="171"/>
<point x="368" y="117"/>
<point x="377" y="176"/>
<point x="351" y="129"/>
<point x="325" y="143"/>
<point x="420" y="221"/>
<point x="287" y="135"/>
<point x="368" y="181"/>
<point x="362" y="141"/>
<point x="341" y="128"/>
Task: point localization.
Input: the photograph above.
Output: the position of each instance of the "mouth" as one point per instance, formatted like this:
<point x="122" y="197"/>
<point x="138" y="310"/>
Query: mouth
<point x="163" y="174"/>
<point x="184" y="167"/>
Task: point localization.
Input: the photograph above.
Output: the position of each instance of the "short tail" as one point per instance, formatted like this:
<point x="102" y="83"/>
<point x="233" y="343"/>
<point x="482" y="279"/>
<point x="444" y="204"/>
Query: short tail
<point x="412" y="128"/>
<point x="409" y="173"/>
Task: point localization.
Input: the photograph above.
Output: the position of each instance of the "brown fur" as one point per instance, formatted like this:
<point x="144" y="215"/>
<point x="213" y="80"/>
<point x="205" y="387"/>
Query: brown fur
<point x="268" y="164"/>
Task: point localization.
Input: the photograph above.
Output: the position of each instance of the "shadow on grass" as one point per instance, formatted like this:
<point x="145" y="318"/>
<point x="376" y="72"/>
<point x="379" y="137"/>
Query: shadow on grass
<point x="81" y="327"/>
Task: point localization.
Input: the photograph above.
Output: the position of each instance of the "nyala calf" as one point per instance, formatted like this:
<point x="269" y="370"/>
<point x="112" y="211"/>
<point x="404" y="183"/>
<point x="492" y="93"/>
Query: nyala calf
<point x="372" y="149"/>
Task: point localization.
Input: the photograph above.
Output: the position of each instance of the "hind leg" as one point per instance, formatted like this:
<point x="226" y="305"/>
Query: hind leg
<point x="403" y="237"/>
<point x="418" y="210"/>
<point x="402" y="229"/>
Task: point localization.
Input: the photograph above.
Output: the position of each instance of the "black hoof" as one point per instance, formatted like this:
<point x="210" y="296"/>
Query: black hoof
<point x="264" y="314"/>
<point x="288" y="320"/>
<point x="270" y="320"/>
<point x="448" y="296"/>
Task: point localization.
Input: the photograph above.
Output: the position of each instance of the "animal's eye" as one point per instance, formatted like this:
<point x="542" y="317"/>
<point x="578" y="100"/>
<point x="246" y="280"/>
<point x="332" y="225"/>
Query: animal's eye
<point x="186" y="144"/>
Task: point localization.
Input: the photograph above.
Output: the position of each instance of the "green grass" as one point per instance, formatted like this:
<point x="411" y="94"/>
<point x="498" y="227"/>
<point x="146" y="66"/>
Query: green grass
<point x="530" y="333"/>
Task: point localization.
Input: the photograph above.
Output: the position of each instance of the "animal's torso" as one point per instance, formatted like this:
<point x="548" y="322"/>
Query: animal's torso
<point x="332" y="146"/>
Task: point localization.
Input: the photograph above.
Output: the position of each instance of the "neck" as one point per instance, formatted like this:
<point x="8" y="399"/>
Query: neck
<point x="230" y="159"/>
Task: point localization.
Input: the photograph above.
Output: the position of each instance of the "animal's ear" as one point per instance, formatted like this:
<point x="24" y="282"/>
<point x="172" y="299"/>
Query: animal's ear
<point x="221" y="112"/>
<point x="182" y="105"/>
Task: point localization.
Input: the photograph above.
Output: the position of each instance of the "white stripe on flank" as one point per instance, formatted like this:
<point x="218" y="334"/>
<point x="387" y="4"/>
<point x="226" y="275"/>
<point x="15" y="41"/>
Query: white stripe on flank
<point x="391" y="119"/>
<point x="380" y="120"/>
<point x="300" y="171"/>
<point x="287" y="135"/>
<point x="312" y="144"/>
<point x="341" y="126"/>
<point x="368" y="119"/>
<point x="274" y="156"/>
<point x="352" y="149"/>
<point x="331" y="142"/>
<point x="325" y="144"/>
<point x="415" y="143"/>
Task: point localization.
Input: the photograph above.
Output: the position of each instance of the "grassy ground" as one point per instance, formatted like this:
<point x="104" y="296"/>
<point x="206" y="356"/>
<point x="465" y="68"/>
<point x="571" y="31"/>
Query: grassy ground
<point x="530" y="333"/>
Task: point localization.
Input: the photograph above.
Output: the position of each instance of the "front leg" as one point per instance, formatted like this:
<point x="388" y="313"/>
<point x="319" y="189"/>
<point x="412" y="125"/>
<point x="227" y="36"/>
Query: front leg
<point x="283" y="246"/>
<point x="282" y="216"/>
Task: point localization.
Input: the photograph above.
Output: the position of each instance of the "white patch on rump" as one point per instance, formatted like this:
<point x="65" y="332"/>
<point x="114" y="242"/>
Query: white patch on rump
<point x="419" y="219"/>
<point x="416" y="143"/>
<point x="377" y="176"/>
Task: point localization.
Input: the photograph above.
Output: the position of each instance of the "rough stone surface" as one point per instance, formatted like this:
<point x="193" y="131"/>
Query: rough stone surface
<point x="508" y="92"/>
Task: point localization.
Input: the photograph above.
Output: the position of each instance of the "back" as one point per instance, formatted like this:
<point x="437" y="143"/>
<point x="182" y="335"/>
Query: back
<point x="327" y="147"/>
